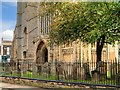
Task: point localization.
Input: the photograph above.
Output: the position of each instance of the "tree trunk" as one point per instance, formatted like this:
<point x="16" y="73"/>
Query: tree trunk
<point x="99" y="53"/>
<point x="99" y="47"/>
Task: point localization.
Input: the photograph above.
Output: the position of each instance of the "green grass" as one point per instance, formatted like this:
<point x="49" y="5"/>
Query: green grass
<point x="110" y="82"/>
<point x="54" y="77"/>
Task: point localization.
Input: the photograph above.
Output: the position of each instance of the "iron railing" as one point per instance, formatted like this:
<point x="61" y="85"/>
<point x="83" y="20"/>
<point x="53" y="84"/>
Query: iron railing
<point x="106" y="73"/>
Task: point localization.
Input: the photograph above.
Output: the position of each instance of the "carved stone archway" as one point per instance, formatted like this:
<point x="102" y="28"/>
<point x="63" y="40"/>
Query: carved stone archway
<point x="41" y="53"/>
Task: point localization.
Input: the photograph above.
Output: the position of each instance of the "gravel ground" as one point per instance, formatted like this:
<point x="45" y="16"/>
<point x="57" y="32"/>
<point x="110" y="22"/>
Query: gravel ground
<point x="7" y="86"/>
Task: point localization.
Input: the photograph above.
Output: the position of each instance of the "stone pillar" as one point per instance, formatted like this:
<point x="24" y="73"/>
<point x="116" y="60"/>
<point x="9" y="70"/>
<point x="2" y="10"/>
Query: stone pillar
<point x="49" y="52"/>
<point x="89" y="52"/>
<point x="1" y="49"/>
<point x="78" y="51"/>
<point x="116" y="50"/>
<point x="54" y="53"/>
<point x="119" y="52"/>
<point x="57" y="53"/>
<point x="81" y="55"/>
<point x="60" y="54"/>
<point x="53" y="67"/>
<point x="108" y="50"/>
<point x="89" y="58"/>
<point x="74" y="51"/>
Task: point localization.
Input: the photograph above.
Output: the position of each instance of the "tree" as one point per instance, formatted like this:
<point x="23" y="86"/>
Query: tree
<point x="88" y="21"/>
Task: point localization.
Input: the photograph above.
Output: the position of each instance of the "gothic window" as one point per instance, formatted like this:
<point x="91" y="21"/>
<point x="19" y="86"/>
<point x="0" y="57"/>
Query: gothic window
<point x="25" y="35"/>
<point x="44" y="24"/>
<point x="24" y="54"/>
<point x="47" y="24"/>
<point x="41" y="24"/>
<point x="25" y="30"/>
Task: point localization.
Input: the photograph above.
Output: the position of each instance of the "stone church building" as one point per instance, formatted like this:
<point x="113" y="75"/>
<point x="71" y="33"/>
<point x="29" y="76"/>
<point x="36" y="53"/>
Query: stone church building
<point x="31" y="38"/>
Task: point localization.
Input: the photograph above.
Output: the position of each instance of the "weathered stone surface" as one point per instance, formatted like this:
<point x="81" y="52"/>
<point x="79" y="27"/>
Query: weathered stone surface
<point x="32" y="29"/>
<point x="114" y="70"/>
<point x="46" y="69"/>
<point x="78" y="72"/>
<point x="102" y="70"/>
<point x="87" y="71"/>
<point x="81" y="73"/>
<point x="95" y="76"/>
<point x="68" y="69"/>
<point x="118" y="79"/>
<point x="34" y="69"/>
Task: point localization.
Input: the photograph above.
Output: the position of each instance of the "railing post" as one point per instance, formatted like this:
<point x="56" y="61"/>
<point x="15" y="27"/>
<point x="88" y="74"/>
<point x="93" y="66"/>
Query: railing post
<point x="58" y="70"/>
<point x="18" y="69"/>
<point x="118" y="75"/>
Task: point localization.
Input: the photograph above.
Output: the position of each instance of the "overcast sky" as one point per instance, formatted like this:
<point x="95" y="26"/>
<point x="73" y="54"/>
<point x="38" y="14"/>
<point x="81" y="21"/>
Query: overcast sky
<point x="7" y="20"/>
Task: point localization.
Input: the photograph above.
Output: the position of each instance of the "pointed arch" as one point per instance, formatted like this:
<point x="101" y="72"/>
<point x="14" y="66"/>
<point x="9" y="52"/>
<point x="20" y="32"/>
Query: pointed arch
<point x="41" y="53"/>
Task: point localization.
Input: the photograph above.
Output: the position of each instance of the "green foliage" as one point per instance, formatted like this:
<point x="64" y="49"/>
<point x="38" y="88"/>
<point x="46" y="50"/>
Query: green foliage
<point x="87" y="21"/>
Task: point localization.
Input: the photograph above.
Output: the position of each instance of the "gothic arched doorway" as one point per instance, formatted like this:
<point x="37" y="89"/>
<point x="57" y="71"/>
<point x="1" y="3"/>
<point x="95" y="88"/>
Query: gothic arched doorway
<point x="41" y="54"/>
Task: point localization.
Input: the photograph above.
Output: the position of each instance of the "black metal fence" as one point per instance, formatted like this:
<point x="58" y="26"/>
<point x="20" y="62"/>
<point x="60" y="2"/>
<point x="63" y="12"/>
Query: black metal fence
<point x="90" y="72"/>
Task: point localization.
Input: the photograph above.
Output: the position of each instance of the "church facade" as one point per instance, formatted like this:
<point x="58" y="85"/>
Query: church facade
<point x="31" y="40"/>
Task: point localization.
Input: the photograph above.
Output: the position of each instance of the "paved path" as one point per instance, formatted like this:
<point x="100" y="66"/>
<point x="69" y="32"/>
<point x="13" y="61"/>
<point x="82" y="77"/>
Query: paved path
<point x="7" y="86"/>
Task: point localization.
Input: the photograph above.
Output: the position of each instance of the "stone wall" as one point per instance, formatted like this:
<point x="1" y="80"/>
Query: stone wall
<point x="27" y="16"/>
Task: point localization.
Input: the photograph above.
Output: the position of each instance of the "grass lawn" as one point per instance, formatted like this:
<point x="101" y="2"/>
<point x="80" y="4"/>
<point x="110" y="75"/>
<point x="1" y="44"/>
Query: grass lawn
<point x="55" y="77"/>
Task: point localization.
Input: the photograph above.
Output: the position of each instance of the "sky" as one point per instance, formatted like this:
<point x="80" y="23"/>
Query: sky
<point x="8" y="17"/>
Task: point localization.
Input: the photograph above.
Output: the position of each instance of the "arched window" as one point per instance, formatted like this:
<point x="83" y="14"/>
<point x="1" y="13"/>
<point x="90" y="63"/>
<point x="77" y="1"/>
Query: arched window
<point x="25" y="35"/>
<point x="24" y="54"/>
<point x="25" y="30"/>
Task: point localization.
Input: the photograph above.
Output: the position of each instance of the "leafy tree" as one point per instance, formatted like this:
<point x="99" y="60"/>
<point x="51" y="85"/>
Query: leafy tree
<point x="88" y="21"/>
